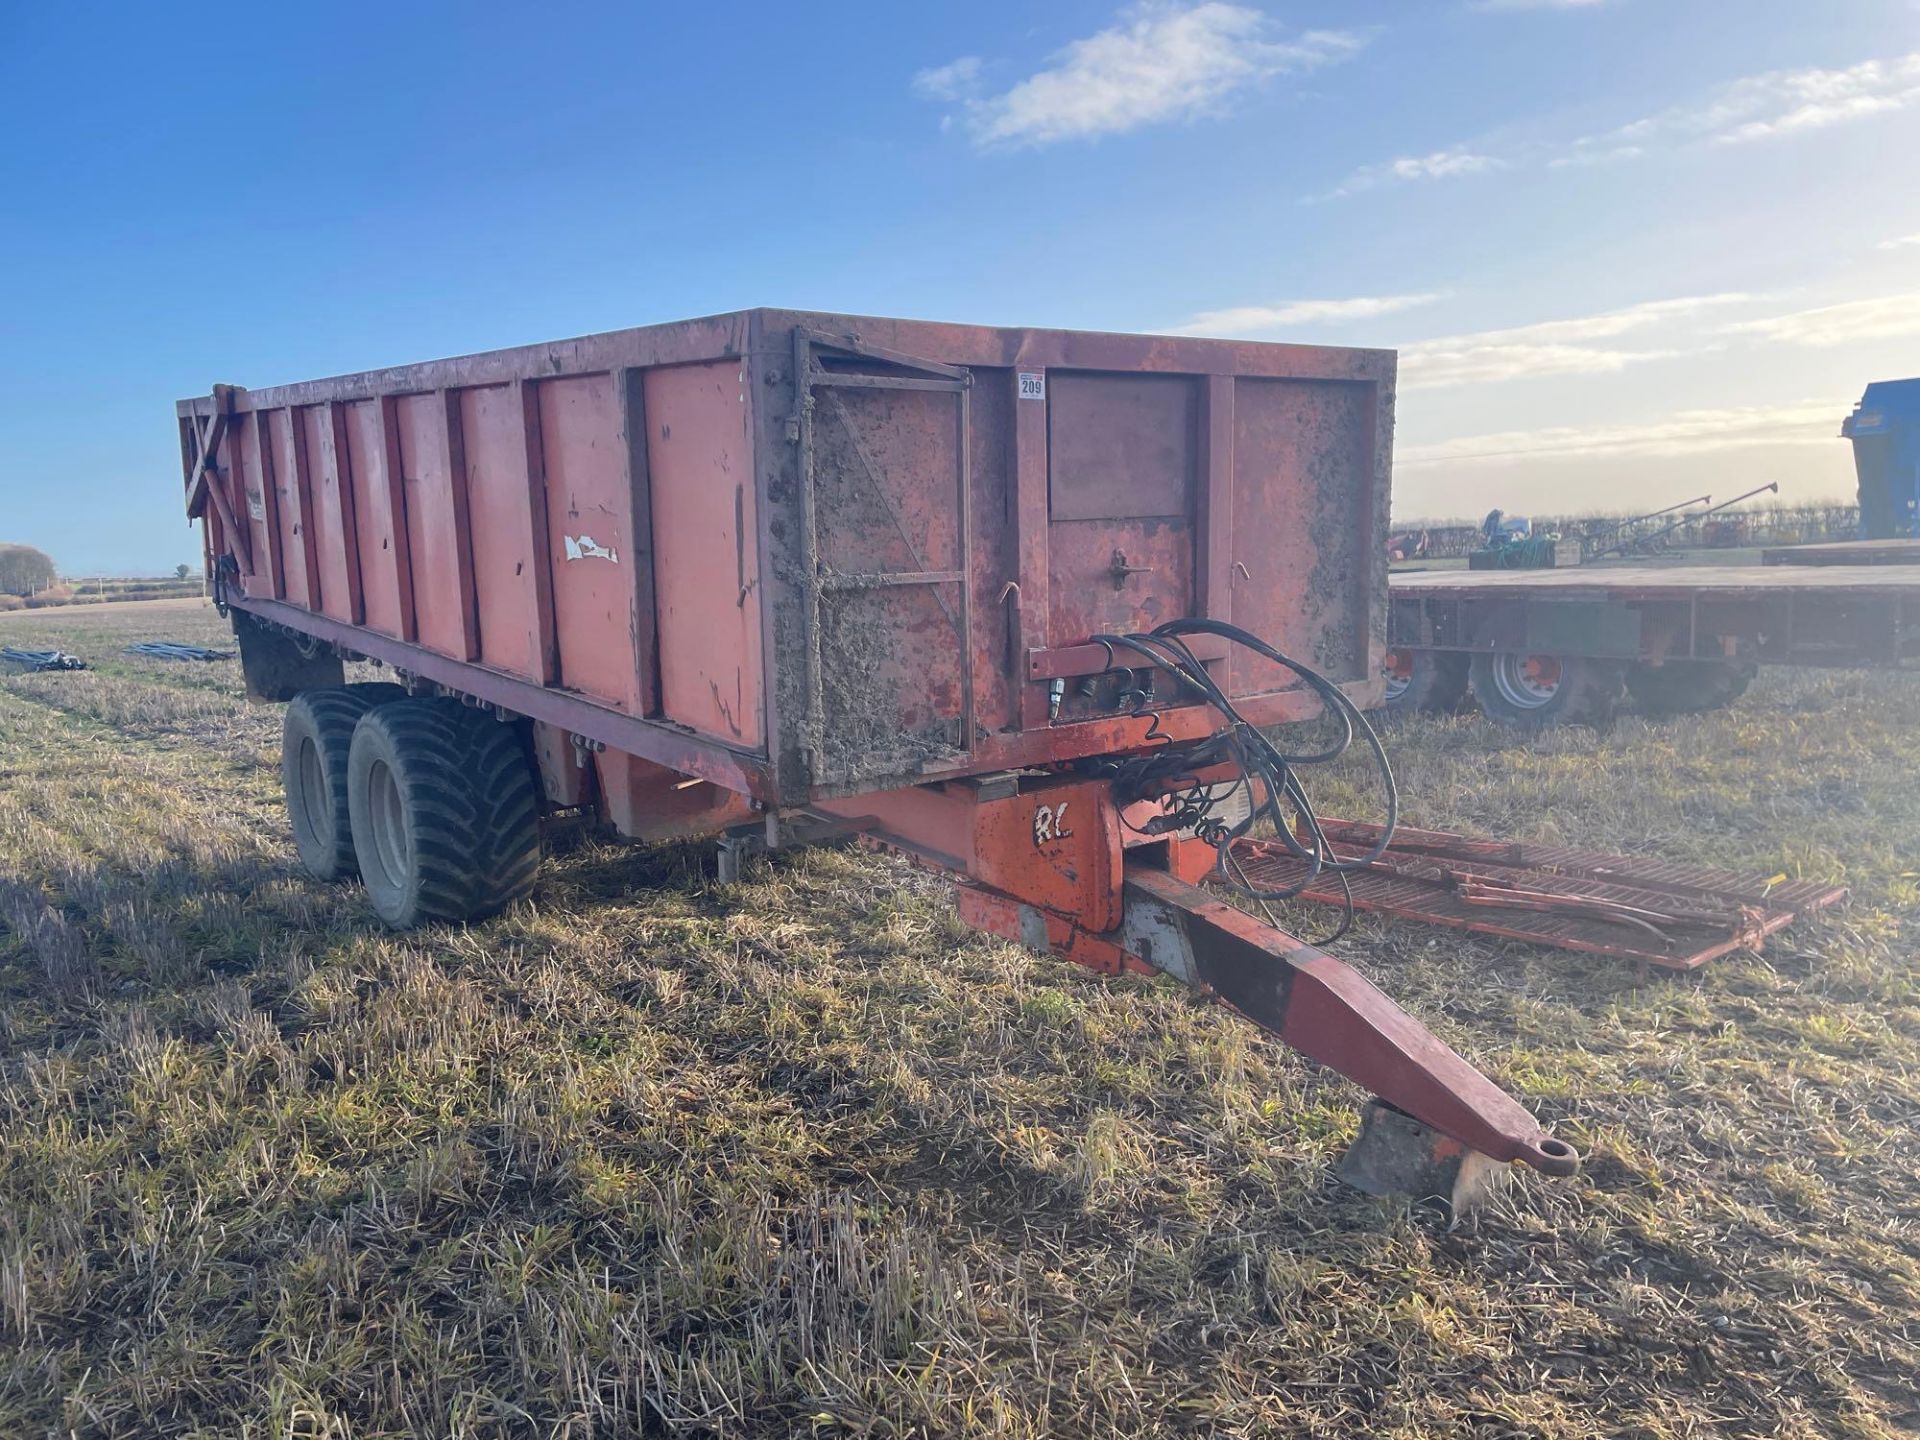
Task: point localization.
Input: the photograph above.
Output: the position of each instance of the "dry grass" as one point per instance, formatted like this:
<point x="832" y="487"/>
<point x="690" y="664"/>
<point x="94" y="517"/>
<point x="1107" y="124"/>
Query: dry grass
<point x="802" y="1156"/>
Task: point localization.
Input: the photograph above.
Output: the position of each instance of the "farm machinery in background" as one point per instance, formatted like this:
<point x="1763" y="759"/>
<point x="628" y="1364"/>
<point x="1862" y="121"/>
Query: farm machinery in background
<point x="1885" y="430"/>
<point x="1543" y="649"/>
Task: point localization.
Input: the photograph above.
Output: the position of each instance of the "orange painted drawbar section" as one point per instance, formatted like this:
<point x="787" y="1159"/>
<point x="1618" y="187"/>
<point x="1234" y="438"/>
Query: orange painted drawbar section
<point x="808" y="555"/>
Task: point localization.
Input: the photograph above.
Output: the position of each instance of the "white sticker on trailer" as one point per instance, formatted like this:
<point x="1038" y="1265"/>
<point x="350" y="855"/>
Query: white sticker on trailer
<point x="585" y="547"/>
<point x="1033" y="385"/>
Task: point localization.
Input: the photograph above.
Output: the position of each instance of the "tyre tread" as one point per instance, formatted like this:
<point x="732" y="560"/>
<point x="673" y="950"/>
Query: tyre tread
<point x="1589" y="695"/>
<point x="329" y="714"/>
<point x="472" y="808"/>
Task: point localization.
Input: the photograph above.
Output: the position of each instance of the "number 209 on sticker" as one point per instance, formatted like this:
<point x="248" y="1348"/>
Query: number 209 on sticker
<point x="1033" y="385"/>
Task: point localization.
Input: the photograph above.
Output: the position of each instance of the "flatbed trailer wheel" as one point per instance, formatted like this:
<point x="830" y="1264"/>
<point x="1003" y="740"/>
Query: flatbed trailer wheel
<point x="315" y="735"/>
<point x="1688" y="687"/>
<point x="446" y="815"/>
<point x="1537" y="692"/>
<point x="1427" y="682"/>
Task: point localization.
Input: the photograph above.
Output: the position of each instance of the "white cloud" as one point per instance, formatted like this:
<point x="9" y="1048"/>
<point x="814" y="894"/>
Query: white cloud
<point x="1763" y="107"/>
<point x="1685" y="432"/>
<point x="1900" y="242"/>
<point x="1550" y="347"/>
<point x="953" y="81"/>
<point x="1769" y="106"/>
<point x="1426" y="368"/>
<point x="1247" y="319"/>
<point x="1162" y="61"/>
<point x="1436" y="165"/>
<point x="1885" y="317"/>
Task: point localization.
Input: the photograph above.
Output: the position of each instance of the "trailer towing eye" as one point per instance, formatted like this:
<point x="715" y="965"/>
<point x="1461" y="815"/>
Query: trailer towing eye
<point x="1438" y="1130"/>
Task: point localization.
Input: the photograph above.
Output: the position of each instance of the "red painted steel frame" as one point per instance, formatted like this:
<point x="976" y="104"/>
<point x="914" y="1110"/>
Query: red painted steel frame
<point x="1047" y="866"/>
<point x="1309" y="1000"/>
<point x="1416" y="880"/>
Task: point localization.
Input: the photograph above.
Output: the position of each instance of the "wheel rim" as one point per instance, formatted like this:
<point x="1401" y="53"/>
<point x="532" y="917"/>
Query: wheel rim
<point x="1398" y="669"/>
<point x="313" y="811"/>
<point x="387" y="819"/>
<point x="1527" y="682"/>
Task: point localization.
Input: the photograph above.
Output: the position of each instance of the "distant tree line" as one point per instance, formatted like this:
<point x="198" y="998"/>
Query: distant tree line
<point x="25" y="570"/>
<point x="28" y="580"/>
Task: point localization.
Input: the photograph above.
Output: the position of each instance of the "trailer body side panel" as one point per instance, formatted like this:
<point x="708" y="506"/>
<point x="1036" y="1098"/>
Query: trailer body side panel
<point x="707" y="574"/>
<point x="805" y="556"/>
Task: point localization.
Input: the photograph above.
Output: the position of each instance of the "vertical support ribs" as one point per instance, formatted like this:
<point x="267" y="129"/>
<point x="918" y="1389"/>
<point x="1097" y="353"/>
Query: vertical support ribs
<point x="396" y="500"/>
<point x="1030" y="512"/>
<point x="338" y="469"/>
<point x="546" y="639"/>
<point x="261" y="452"/>
<point x="301" y="481"/>
<point x="631" y="392"/>
<point x="462" y="525"/>
<point x="1216" y="501"/>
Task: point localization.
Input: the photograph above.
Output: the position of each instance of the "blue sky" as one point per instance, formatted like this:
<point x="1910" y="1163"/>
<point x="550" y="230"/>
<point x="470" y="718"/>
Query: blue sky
<point x="1630" y="249"/>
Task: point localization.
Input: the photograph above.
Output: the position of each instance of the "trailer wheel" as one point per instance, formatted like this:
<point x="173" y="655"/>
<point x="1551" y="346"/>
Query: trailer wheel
<point x="315" y="735"/>
<point x="446" y="816"/>
<point x="1688" y="687"/>
<point x="1537" y="692"/>
<point x="1427" y="682"/>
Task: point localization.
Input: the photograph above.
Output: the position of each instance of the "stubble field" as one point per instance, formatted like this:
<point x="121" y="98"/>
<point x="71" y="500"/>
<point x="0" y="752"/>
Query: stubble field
<point x="801" y="1155"/>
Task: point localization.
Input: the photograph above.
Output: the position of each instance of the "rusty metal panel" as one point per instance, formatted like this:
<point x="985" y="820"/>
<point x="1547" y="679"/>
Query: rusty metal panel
<point x="324" y="502"/>
<point x="1120" y="446"/>
<point x="224" y="485"/>
<point x="290" y="502"/>
<point x="263" y="493"/>
<point x="706" y="554"/>
<point x="886" y="476"/>
<point x="503" y="554"/>
<point x="1115" y="576"/>
<point x="1122" y="454"/>
<point x="1671" y="914"/>
<point x="380" y="557"/>
<point x="1303" y="535"/>
<point x="590" y="544"/>
<point x="651" y="802"/>
<point x="998" y="660"/>
<point x="243" y="460"/>
<point x="433" y="536"/>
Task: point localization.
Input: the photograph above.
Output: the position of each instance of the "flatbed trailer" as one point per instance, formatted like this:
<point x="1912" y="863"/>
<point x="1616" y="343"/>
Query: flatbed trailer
<point x="1846" y="552"/>
<point x="1544" y="647"/>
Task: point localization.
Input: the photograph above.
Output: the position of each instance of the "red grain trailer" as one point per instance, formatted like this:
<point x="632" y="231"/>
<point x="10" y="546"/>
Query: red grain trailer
<point x="770" y="575"/>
